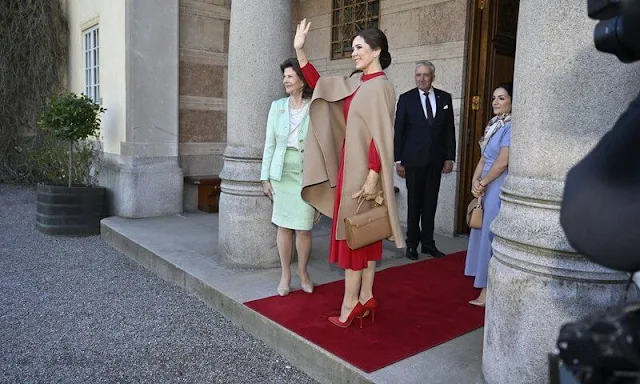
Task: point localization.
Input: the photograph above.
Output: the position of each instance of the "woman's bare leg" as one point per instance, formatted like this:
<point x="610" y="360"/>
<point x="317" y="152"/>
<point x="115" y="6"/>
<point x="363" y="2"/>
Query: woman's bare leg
<point x="284" y="239"/>
<point x="352" y="282"/>
<point x="303" y="246"/>
<point x="368" y="274"/>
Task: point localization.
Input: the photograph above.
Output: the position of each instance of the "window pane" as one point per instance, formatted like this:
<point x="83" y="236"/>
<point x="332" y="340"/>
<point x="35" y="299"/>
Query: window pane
<point x="373" y="9"/>
<point x="336" y="18"/>
<point x="348" y="31"/>
<point x="360" y="12"/>
<point x="91" y="64"/>
<point x="337" y="49"/>
<point x="349" y="17"/>
<point x="334" y="34"/>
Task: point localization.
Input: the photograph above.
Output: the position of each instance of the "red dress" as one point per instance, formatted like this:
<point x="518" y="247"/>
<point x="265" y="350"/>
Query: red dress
<point x="339" y="251"/>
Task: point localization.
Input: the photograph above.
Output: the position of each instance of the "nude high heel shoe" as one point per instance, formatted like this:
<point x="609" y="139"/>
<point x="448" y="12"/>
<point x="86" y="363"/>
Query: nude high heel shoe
<point x="481" y="300"/>
<point x="308" y="288"/>
<point x="477" y="303"/>
<point x="283" y="291"/>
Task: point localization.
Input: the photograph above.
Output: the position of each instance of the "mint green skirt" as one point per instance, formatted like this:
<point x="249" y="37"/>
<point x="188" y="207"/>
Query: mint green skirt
<point x="289" y="210"/>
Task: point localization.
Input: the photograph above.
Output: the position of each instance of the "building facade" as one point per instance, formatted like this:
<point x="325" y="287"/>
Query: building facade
<point x="416" y="31"/>
<point x="187" y="85"/>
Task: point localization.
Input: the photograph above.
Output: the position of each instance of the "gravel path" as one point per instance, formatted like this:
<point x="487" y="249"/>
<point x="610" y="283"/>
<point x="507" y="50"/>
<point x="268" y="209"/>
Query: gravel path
<point x="73" y="310"/>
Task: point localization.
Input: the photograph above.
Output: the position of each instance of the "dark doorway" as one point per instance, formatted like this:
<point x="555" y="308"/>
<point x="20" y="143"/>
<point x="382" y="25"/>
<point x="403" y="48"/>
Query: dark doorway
<point x="491" y="51"/>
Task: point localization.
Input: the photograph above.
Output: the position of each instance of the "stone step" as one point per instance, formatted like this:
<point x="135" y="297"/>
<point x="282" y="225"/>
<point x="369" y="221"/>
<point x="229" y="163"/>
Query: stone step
<point x="183" y="250"/>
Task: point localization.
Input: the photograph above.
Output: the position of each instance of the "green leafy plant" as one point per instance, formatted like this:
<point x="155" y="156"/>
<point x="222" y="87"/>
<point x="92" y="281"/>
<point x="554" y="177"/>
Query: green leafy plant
<point x="45" y="158"/>
<point x="72" y="118"/>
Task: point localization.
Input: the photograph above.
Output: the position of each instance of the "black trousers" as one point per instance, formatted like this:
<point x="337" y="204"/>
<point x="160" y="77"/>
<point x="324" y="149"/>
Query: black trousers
<point x="423" y="185"/>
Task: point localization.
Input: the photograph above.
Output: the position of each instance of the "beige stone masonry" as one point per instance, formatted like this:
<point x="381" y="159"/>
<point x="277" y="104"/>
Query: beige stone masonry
<point x="198" y="103"/>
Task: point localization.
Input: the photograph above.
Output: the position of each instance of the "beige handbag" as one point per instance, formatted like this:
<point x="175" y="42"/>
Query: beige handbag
<point x="474" y="213"/>
<point x="366" y="228"/>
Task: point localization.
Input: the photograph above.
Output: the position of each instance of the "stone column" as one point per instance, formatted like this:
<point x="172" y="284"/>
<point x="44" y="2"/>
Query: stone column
<point x="567" y="95"/>
<point x="259" y="40"/>
<point x="145" y="179"/>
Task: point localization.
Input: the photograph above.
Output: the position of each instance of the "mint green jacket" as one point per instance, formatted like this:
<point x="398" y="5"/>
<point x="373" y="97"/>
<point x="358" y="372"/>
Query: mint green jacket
<point x="275" y="143"/>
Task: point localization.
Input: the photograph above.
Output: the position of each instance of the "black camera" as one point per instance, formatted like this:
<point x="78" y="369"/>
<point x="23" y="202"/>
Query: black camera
<point x="605" y="347"/>
<point x="618" y="31"/>
<point x="602" y="348"/>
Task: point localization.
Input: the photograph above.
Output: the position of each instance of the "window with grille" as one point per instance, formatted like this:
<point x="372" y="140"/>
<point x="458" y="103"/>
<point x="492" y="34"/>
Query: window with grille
<point x="91" y="64"/>
<point x="349" y="17"/>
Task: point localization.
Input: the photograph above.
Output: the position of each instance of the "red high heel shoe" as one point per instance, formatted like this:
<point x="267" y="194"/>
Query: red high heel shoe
<point x="356" y="312"/>
<point x="370" y="308"/>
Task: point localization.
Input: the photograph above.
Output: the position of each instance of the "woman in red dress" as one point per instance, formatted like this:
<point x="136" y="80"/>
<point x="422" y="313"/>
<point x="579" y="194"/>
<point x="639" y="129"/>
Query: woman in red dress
<point x="353" y="114"/>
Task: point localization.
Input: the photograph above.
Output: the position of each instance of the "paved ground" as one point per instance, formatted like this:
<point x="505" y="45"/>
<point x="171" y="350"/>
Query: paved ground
<point x="74" y="310"/>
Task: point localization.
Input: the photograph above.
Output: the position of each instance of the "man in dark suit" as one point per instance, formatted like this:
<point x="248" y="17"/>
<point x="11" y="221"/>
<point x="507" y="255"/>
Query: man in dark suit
<point x="425" y="148"/>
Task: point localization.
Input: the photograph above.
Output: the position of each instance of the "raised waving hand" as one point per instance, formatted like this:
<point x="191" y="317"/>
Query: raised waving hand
<point x="301" y="34"/>
<point x="298" y="41"/>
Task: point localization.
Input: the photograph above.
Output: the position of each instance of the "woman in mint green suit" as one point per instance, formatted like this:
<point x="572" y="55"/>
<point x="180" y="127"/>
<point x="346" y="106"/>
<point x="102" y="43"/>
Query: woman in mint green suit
<point x="281" y="174"/>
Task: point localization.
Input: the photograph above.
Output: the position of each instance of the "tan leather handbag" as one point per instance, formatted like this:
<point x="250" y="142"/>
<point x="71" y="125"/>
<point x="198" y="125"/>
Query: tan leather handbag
<point x="474" y="213"/>
<point x="366" y="228"/>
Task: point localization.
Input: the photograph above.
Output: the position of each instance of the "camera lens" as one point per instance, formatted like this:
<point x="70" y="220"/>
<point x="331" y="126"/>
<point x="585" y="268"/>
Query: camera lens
<point x="605" y="35"/>
<point x="609" y="36"/>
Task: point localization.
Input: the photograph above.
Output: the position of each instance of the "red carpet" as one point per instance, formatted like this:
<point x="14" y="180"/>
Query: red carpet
<point x="421" y="305"/>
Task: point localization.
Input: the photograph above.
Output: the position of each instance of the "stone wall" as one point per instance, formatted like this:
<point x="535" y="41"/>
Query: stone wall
<point x="109" y="17"/>
<point x="417" y="30"/>
<point x="204" y="47"/>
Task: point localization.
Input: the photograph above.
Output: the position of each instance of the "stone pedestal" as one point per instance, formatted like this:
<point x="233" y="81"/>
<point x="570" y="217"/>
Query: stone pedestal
<point x="566" y="96"/>
<point x="144" y="179"/>
<point x="259" y="40"/>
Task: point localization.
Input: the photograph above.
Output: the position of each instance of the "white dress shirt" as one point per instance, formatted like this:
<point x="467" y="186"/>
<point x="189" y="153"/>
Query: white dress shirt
<point x="432" y="101"/>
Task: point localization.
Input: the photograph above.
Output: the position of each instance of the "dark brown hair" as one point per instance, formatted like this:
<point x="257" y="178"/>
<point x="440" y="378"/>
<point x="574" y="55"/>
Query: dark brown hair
<point x="507" y="87"/>
<point x="307" y="91"/>
<point x="377" y="40"/>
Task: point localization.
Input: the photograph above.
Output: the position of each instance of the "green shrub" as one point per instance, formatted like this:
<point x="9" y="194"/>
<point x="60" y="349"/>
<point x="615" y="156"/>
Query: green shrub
<point x="73" y="119"/>
<point x="46" y="159"/>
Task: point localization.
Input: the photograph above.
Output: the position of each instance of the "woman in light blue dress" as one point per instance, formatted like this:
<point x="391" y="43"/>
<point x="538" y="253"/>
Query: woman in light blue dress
<point x="487" y="181"/>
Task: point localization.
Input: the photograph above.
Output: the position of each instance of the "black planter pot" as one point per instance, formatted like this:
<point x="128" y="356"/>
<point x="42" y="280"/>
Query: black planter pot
<point x="65" y="211"/>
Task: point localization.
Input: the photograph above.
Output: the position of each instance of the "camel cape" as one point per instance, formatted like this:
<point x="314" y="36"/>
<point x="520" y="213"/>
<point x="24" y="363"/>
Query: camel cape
<point x="370" y="117"/>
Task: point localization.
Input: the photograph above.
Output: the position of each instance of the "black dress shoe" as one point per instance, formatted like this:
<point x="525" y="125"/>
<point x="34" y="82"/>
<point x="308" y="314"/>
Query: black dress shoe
<point x="432" y="251"/>
<point x="412" y="254"/>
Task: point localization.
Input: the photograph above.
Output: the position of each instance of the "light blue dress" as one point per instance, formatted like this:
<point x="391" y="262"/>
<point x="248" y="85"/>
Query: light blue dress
<point x="479" y="251"/>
